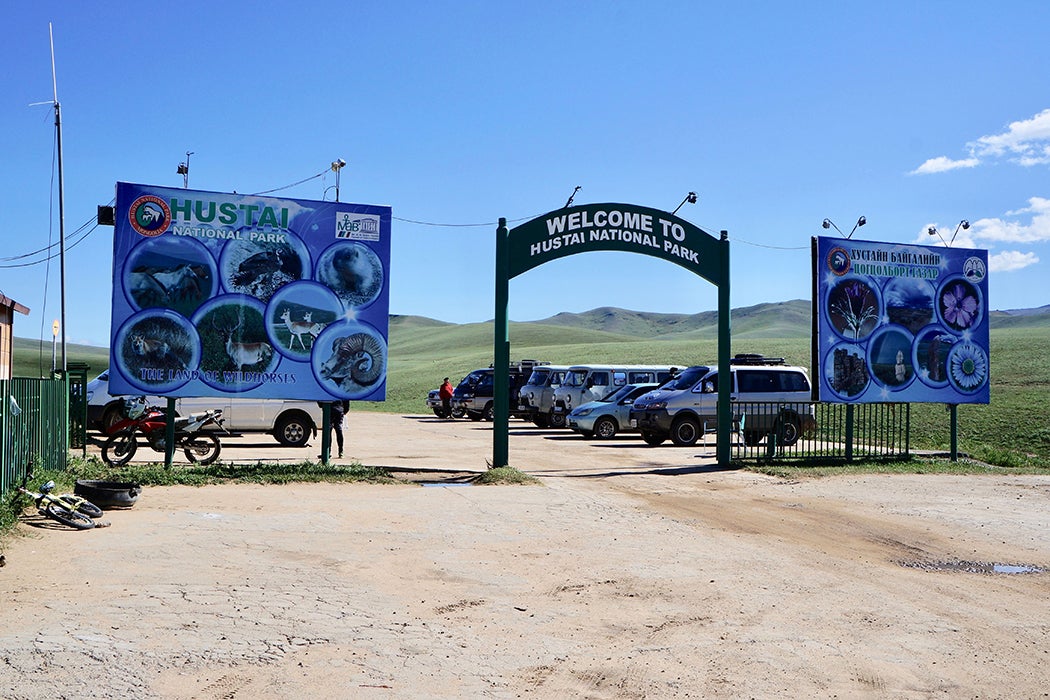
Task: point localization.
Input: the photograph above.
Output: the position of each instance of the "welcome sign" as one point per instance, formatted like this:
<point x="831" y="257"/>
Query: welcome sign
<point x="217" y="294"/>
<point x="901" y="323"/>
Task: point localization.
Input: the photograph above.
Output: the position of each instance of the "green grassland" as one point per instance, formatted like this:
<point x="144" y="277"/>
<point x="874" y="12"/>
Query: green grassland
<point x="1013" y="430"/>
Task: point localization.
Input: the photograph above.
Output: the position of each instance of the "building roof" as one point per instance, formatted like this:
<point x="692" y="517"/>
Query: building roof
<point x="11" y="303"/>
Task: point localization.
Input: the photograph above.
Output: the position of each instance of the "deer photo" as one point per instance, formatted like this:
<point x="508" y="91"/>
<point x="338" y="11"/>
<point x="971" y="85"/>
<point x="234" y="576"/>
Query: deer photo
<point x="243" y="354"/>
<point x="297" y="329"/>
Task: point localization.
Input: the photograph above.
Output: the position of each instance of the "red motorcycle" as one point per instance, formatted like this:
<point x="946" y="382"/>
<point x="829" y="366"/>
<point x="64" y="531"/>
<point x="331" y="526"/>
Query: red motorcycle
<point x="201" y="446"/>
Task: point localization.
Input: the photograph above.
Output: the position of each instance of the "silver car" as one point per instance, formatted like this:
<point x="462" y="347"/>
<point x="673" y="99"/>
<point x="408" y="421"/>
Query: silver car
<point x="610" y="415"/>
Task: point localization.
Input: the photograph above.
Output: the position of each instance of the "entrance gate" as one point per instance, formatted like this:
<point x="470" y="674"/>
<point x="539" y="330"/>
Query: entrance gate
<point x="593" y="227"/>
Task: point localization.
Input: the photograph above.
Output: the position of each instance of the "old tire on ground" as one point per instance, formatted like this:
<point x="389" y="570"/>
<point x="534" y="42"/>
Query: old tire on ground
<point x="108" y="494"/>
<point x="605" y="428"/>
<point x="685" y="431"/>
<point x="653" y="439"/>
<point x="293" y="429"/>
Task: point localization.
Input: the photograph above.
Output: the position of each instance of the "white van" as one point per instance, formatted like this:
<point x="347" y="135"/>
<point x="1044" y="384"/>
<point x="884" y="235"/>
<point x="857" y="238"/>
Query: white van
<point x="536" y="396"/>
<point x="584" y="383"/>
<point x="292" y="423"/>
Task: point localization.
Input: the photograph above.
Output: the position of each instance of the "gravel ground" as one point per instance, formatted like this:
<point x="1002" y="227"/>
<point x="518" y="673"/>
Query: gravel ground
<point x="630" y="572"/>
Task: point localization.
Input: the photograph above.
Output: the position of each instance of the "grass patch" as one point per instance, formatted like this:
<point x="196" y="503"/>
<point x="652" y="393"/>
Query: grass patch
<point x="505" y="475"/>
<point x="156" y="474"/>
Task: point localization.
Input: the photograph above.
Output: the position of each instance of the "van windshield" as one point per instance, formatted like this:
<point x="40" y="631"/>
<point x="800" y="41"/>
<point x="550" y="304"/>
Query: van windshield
<point x="538" y="377"/>
<point x="575" y="378"/>
<point x="687" y="378"/>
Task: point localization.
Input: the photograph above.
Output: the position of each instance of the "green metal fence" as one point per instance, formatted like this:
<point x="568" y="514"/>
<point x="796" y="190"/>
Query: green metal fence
<point x="821" y="432"/>
<point x="34" y="427"/>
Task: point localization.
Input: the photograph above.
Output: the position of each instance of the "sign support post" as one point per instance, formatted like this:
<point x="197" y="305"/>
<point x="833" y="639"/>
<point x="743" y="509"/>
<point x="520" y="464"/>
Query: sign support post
<point x="725" y="408"/>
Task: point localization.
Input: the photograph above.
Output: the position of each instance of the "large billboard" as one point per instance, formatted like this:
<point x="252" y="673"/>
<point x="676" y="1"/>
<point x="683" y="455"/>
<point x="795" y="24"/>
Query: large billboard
<point x="900" y="323"/>
<point x="217" y="294"/>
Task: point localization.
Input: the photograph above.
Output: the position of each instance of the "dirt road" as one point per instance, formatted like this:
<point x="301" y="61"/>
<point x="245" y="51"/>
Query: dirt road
<point x="631" y="572"/>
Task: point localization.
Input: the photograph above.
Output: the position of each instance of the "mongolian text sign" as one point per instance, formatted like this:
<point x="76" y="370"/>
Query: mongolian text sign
<point x="901" y="323"/>
<point x="217" y="294"/>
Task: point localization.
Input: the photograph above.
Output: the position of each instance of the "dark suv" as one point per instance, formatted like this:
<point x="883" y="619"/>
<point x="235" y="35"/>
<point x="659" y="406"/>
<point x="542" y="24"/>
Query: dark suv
<point x="475" y="394"/>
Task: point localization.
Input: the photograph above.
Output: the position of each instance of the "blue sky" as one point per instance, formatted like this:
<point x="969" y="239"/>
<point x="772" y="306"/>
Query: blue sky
<point x="777" y="114"/>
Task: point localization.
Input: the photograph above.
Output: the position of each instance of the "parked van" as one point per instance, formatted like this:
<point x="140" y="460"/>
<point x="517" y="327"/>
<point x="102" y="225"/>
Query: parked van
<point x="773" y="398"/>
<point x="584" y="383"/>
<point x="536" y="396"/>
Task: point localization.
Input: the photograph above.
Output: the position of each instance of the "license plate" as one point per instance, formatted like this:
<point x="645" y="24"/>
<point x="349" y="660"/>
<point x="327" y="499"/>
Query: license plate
<point x="634" y="423"/>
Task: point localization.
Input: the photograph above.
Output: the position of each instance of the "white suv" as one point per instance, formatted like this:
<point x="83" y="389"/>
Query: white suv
<point x="774" y="399"/>
<point x="292" y="423"/>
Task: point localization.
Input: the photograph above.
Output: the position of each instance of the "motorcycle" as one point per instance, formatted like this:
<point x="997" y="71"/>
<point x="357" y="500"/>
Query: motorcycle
<point x="200" y="446"/>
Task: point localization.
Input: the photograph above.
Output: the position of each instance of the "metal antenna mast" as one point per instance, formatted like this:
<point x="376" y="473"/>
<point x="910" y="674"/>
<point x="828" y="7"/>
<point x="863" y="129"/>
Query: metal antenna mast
<point x="61" y="197"/>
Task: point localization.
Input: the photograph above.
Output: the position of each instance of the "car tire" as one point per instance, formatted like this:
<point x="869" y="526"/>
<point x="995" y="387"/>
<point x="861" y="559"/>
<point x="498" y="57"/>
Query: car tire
<point x="542" y="420"/>
<point x="685" y="431"/>
<point x="557" y="420"/>
<point x="111" y="415"/>
<point x="487" y="413"/>
<point x="788" y="429"/>
<point x="752" y="437"/>
<point x="605" y="428"/>
<point x="293" y="429"/>
<point x="653" y="439"/>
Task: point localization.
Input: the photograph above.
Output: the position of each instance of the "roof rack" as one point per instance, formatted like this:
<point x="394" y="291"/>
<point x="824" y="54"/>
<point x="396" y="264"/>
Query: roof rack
<point x="750" y="358"/>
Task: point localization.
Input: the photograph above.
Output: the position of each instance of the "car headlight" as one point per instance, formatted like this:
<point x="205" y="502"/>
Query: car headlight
<point x="581" y="412"/>
<point x="654" y="406"/>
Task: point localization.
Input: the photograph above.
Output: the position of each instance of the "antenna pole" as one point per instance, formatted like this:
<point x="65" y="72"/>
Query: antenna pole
<point x="61" y="198"/>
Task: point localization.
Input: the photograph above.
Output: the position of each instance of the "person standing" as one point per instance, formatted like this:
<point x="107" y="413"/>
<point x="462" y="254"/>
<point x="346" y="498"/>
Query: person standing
<point x="338" y="411"/>
<point x="445" y="393"/>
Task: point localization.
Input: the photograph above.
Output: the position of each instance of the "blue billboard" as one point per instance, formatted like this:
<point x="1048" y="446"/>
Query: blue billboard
<point x="217" y="294"/>
<point x="900" y="323"/>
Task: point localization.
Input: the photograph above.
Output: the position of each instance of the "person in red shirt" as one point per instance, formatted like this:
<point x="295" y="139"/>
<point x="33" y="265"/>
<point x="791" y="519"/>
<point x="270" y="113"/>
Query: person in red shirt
<point x="445" y="393"/>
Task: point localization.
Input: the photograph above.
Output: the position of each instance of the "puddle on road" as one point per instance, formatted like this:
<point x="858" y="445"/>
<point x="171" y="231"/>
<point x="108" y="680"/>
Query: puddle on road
<point x="974" y="567"/>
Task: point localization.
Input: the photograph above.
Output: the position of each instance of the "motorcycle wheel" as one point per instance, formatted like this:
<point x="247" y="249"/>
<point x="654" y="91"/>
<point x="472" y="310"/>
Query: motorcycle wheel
<point x="202" y="448"/>
<point x="119" y="448"/>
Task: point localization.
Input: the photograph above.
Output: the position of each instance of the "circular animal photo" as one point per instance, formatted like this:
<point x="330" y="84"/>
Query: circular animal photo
<point x="157" y="350"/>
<point x="353" y="271"/>
<point x="297" y="314"/>
<point x="234" y="348"/>
<point x="350" y="360"/>
<point x="259" y="263"/>
<point x="170" y="273"/>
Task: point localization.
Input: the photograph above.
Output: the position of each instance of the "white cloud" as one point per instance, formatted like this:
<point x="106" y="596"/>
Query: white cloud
<point x="1030" y="225"/>
<point x="1025" y="142"/>
<point x="1010" y="260"/>
<point x="942" y="164"/>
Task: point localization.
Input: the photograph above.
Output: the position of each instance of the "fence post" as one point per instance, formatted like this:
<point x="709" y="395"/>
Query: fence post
<point x="849" y="432"/>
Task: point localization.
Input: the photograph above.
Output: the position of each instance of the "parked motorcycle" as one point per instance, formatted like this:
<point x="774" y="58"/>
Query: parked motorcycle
<point x="200" y="445"/>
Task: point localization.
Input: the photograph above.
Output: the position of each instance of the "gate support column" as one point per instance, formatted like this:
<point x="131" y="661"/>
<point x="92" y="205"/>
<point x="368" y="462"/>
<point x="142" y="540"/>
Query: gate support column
<point x="501" y="352"/>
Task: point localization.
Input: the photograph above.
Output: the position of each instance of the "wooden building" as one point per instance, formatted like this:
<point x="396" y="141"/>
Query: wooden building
<point x="8" y="307"/>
